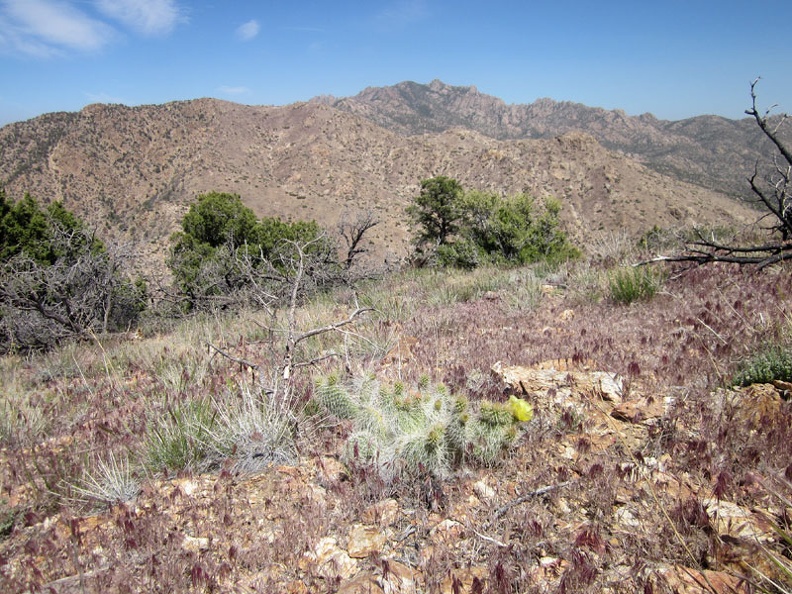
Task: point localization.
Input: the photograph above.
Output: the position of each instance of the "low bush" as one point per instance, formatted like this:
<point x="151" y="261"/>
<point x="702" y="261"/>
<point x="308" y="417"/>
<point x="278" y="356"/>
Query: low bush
<point x="765" y="367"/>
<point x="632" y="283"/>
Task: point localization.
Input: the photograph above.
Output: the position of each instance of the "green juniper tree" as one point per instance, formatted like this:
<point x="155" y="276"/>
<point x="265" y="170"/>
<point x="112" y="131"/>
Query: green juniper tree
<point x="225" y="256"/>
<point x="437" y="211"/>
<point x="468" y="229"/>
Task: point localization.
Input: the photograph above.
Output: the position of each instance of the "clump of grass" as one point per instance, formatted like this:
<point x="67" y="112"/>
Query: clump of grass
<point x="765" y="367"/>
<point x="610" y="247"/>
<point x="633" y="283"/>
<point x="182" y="439"/>
<point x="22" y="419"/>
<point x="256" y="430"/>
<point x="425" y="430"/>
<point x="111" y="481"/>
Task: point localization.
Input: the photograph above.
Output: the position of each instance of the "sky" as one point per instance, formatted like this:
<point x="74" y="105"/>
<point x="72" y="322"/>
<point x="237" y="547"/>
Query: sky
<point x="674" y="59"/>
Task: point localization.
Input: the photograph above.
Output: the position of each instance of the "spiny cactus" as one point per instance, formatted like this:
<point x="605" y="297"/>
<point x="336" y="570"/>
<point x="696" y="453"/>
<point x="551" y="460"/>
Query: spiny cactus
<point x="335" y="399"/>
<point x="426" y="429"/>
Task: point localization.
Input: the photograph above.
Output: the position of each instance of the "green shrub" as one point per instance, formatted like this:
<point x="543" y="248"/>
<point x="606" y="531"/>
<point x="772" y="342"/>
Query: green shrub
<point x="224" y="253"/>
<point x="765" y="367"/>
<point x="8" y="518"/>
<point x="465" y="230"/>
<point x="633" y="283"/>
<point x="427" y="429"/>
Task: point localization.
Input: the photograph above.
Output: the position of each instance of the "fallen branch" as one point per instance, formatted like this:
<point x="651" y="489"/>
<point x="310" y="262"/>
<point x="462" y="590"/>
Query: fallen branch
<point x="488" y="538"/>
<point x="230" y="357"/>
<point x="528" y="496"/>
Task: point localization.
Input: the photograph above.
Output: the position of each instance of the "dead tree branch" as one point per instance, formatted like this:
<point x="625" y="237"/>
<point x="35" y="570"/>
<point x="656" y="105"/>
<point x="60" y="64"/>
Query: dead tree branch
<point x="772" y="191"/>
<point x="353" y="232"/>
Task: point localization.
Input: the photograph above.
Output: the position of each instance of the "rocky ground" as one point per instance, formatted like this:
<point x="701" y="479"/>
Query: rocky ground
<point x="624" y="481"/>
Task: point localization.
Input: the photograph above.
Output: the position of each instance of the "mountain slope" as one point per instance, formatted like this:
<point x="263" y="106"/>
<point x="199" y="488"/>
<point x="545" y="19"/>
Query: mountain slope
<point x="132" y="172"/>
<point x="711" y="151"/>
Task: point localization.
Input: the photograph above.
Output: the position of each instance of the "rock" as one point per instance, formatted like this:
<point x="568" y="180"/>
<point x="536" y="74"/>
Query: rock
<point x="365" y="583"/>
<point x="397" y="578"/>
<point x="383" y="513"/>
<point x="566" y="315"/>
<point x="784" y="388"/>
<point x="754" y="404"/>
<point x="684" y="580"/>
<point x="557" y="387"/>
<point x="186" y="486"/>
<point x="549" y="571"/>
<point x="448" y="531"/>
<point x="483" y="491"/>
<point x="296" y="587"/>
<point x="330" y="470"/>
<point x="365" y="540"/>
<point x="194" y="544"/>
<point x="729" y="519"/>
<point x="643" y="410"/>
<point x="626" y="518"/>
<point x="469" y="579"/>
<point x="331" y="560"/>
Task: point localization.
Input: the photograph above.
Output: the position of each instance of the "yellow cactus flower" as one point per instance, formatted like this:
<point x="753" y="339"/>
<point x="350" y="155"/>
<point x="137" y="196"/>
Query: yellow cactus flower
<point x="521" y="409"/>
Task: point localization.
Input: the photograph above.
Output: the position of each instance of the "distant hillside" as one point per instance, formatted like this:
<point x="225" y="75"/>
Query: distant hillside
<point x="133" y="172"/>
<point x="710" y="151"/>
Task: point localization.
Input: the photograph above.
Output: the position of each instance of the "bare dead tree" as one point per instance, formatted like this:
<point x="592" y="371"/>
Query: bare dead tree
<point x="771" y="186"/>
<point x="297" y="274"/>
<point x="353" y="231"/>
<point x="83" y="292"/>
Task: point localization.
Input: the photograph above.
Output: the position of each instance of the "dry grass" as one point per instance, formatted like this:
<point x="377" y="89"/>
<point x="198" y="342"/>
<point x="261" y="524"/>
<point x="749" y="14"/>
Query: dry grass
<point x="77" y="422"/>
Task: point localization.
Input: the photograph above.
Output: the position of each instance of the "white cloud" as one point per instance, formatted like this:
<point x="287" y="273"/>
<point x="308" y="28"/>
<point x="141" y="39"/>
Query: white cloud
<point x="226" y="90"/>
<point x="248" y="31"/>
<point x="46" y="27"/>
<point x="150" y="17"/>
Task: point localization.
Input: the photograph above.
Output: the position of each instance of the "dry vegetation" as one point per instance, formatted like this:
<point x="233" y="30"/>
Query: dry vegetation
<point x="112" y="481"/>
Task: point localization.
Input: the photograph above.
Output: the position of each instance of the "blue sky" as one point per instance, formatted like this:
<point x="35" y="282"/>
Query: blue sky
<point x="674" y="59"/>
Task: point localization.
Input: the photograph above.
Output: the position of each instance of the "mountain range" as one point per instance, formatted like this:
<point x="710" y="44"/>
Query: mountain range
<point x="133" y="171"/>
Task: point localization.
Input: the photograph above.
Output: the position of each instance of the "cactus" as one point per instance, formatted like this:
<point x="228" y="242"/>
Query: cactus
<point x="495" y="414"/>
<point x="424" y="430"/>
<point x="335" y="399"/>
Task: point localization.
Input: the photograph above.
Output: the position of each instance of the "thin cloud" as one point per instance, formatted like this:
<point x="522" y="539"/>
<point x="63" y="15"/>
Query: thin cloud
<point x="248" y="31"/>
<point x="149" y="17"/>
<point x="46" y="27"/>
<point x="226" y="90"/>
